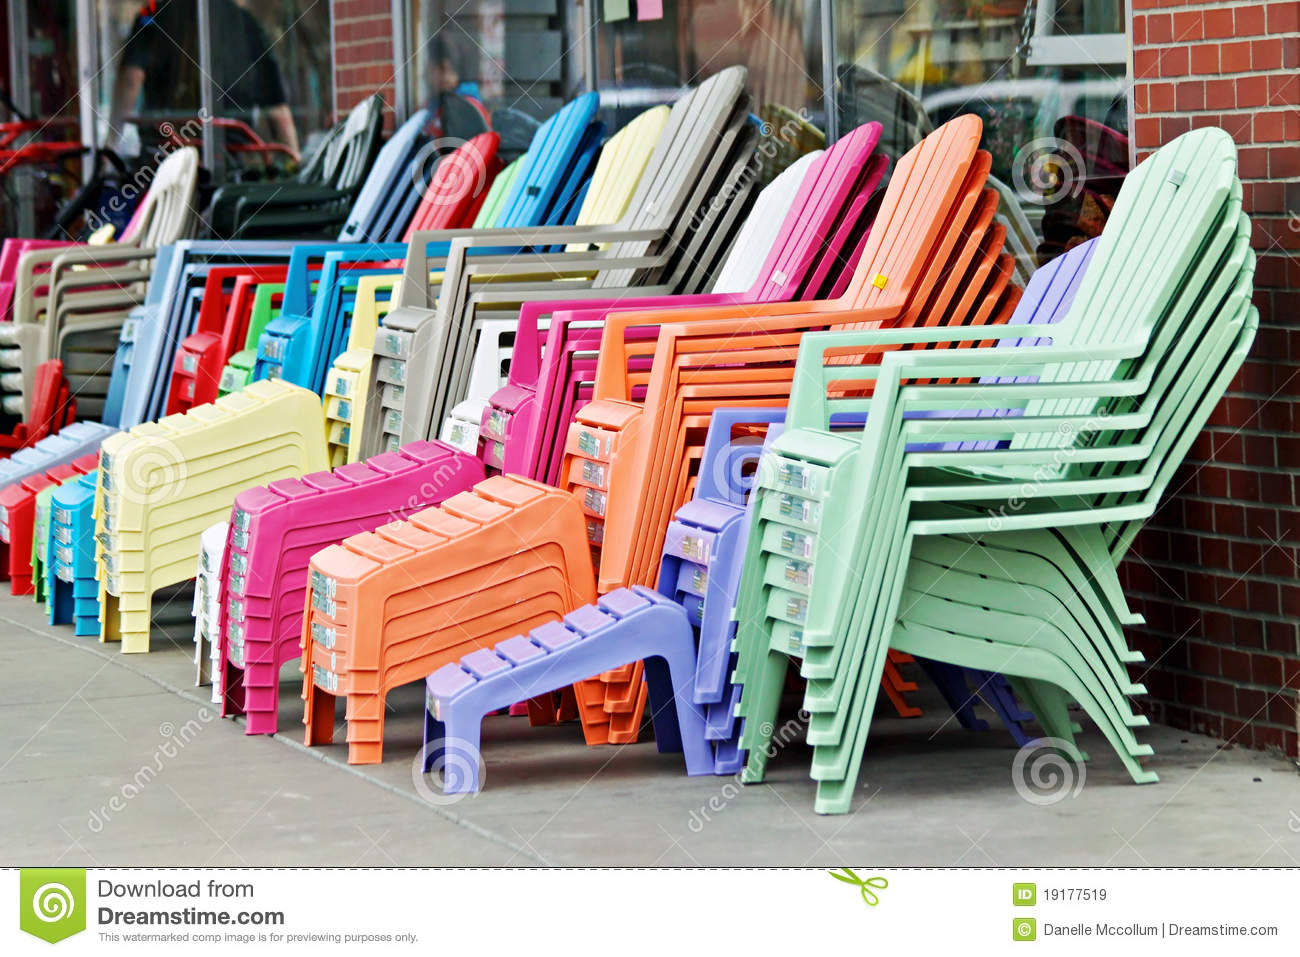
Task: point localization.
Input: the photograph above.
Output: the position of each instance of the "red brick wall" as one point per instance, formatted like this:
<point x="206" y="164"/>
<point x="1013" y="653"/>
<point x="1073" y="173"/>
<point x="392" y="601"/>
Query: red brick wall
<point x="1217" y="570"/>
<point x="363" y="52"/>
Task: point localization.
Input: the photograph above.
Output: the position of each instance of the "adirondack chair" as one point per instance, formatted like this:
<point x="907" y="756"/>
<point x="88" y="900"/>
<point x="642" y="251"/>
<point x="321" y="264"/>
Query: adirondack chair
<point x="777" y="257"/>
<point x="344" y="400"/>
<point x="88" y="290"/>
<point x="319" y="199"/>
<point x="660" y="245"/>
<point x="1159" y="325"/>
<point x="381" y="209"/>
<point x="163" y="483"/>
<point x="309" y="332"/>
<point x="947" y="262"/>
<point x="560" y="162"/>
<point x="358" y="571"/>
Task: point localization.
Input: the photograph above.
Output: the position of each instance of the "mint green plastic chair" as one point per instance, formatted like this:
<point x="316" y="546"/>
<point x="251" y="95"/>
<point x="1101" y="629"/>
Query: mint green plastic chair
<point x="1004" y="558"/>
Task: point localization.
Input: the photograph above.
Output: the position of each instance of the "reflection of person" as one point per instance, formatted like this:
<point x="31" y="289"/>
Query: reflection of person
<point x="160" y="60"/>
<point x="454" y="103"/>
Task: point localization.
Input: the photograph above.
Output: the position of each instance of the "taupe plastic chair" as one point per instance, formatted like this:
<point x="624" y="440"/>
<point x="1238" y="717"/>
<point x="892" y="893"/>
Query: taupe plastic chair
<point x="697" y="183"/>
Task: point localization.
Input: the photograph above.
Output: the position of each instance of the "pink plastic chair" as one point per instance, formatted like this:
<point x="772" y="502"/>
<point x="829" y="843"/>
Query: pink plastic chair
<point x="817" y="244"/>
<point x="274" y="531"/>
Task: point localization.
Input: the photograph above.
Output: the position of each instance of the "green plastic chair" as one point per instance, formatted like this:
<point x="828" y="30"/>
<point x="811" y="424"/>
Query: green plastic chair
<point x="238" y="371"/>
<point x="1002" y="559"/>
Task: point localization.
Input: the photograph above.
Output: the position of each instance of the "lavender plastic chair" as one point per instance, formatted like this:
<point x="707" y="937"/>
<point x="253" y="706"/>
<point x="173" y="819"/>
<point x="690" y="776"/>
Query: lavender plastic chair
<point x="627" y="625"/>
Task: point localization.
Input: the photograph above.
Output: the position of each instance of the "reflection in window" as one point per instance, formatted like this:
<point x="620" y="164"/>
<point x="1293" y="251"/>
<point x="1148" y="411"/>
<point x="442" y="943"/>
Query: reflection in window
<point x="779" y="41"/>
<point x="270" y="68"/>
<point x="1056" y="126"/>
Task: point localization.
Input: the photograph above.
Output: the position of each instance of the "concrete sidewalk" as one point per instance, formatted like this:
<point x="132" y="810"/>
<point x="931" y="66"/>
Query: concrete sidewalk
<point x="111" y="759"/>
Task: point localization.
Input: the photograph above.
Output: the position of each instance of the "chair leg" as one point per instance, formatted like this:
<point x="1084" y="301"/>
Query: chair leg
<point x="760" y="702"/>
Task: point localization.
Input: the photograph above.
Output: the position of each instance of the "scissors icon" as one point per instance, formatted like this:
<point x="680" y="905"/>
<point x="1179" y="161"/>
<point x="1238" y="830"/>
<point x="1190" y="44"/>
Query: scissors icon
<point x="868" y="895"/>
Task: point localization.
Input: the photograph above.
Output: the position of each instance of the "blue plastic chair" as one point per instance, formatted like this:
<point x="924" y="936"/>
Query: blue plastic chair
<point x="300" y="343"/>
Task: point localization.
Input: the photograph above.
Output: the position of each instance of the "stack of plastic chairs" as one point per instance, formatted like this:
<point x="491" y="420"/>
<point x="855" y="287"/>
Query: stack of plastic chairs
<point x="609" y="714"/>
<point x="222" y="326"/>
<point x="207" y="607"/>
<point x="274" y="531"/>
<point x="88" y="292"/>
<point x="388" y="607"/>
<point x="321" y="196"/>
<point x="929" y="554"/>
<point x="18" y="519"/>
<point x="942" y="264"/>
<point x="801" y="240"/>
<point x="301" y="342"/>
<point x="268" y="300"/>
<point x="664" y="243"/>
<point x="621" y="166"/>
<point x="163" y="483"/>
<point x="71" y="590"/>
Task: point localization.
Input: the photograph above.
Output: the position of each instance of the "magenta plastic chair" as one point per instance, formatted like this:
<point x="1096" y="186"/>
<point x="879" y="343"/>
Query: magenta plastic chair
<point x="274" y="531"/>
<point x="815" y="250"/>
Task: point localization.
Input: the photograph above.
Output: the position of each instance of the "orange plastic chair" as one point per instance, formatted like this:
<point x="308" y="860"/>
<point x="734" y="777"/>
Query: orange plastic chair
<point x="388" y="607"/>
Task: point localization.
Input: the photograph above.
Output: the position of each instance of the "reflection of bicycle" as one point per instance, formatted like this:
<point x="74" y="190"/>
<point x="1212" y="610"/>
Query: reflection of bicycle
<point x="27" y="144"/>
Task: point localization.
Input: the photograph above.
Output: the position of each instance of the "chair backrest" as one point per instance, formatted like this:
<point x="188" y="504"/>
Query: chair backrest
<point x="459" y="186"/>
<point x="619" y="171"/>
<point x="387" y="176"/>
<point x="167" y="213"/>
<point x="348" y="156"/>
<point x="494" y="205"/>
<point x="1167" y="220"/>
<point x="701" y="133"/>
<point x="542" y="175"/>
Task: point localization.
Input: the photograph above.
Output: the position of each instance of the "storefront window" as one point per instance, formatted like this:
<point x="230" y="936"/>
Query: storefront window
<point x="270" y="70"/>
<point x="1048" y="79"/>
<point x="639" y="61"/>
<point x="507" y="64"/>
